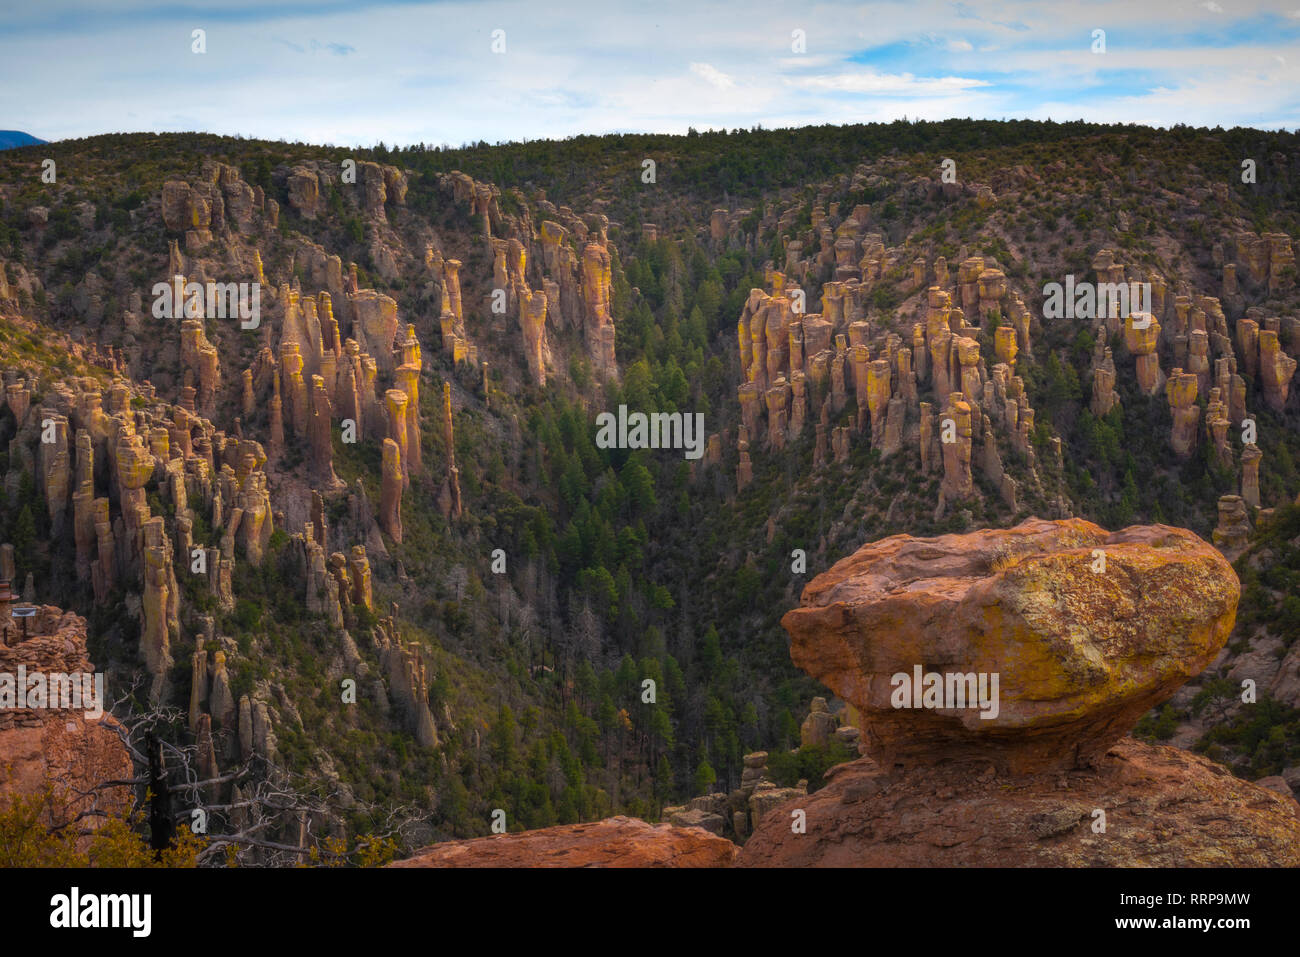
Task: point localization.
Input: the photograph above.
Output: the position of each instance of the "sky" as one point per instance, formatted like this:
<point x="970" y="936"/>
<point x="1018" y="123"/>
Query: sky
<point x="355" y="72"/>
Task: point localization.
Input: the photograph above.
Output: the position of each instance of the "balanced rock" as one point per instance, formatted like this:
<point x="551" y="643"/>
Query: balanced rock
<point x="1180" y="390"/>
<point x="1040" y="660"/>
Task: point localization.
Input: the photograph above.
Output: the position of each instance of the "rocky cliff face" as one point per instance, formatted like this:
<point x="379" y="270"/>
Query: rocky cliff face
<point x="55" y="749"/>
<point x="815" y="357"/>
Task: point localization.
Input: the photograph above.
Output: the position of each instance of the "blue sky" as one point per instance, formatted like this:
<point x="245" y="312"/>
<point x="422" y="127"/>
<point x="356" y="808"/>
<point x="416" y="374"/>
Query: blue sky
<point x="353" y="72"/>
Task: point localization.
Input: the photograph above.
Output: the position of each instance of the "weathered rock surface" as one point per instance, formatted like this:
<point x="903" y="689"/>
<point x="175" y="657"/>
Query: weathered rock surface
<point x="1232" y="534"/>
<point x="819" y="726"/>
<point x="613" y="842"/>
<point x="59" y="749"/>
<point x="1079" y="655"/>
<point x="390" y="501"/>
<point x="1164" y="808"/>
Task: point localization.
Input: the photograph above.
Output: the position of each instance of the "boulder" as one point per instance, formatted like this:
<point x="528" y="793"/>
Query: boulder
<point x="1039" y="661"/>
<point x="713" y="823"/>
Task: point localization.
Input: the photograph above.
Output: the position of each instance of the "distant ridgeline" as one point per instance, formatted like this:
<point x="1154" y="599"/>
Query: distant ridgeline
<point x="13" y="138"/>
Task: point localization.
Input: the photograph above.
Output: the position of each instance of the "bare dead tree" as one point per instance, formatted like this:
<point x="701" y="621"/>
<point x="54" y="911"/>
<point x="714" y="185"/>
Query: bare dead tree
<point x="265" y="799"/>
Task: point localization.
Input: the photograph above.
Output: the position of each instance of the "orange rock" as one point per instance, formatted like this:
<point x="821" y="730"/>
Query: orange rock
<point x="1079" y="655"/>
<point x="1248" y="345"/>
<point x="877" y="397"/>
<point x="777" y="399"/>
<point x="1141" y="334"/>
<point x="955" y="424"/>
<point x="304" y="191"/>
<point x="1005" y="345"/>
<point x="1275" y="369"/>
<point x="1164" y="807"/>
<point x="613" y="842"/>
<point x="532" y="322"/>
<point x="390" y="504"/>
<point x="449" y="498"/>
<point x="319" y="435"/>
<point x="798" y="403"/>
<point x="926" y="435"/>
<point x="1104" y="396"/>
<point x="63" y="750"/>
<point x="596" y="294"/>
<point x="1180" y="390"/>
<point x="396" y="404"/>
<point x="294" y="386"/>
<point x="971" y="380"/>
<point x="200" y="356"/>
<point x="375" y="325"/>
<point x="1250" y="456"/>
<point x="359" y="566"/>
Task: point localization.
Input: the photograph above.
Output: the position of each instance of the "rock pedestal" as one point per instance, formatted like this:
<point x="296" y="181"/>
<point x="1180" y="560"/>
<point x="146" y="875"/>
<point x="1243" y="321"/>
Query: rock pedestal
<point x="1067" y="657"/>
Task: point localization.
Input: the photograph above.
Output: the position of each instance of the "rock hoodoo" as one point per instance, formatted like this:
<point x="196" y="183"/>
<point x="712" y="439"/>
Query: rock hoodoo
<point x="1081" y="650"/>
<point x="1079" y="654"/>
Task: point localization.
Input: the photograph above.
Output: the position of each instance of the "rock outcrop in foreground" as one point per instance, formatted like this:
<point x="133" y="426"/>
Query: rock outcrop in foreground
<point x="49" y="750"/>
<point x="1081" y="648"/>
<point x="613" y="842"/>
<point x="1163" y="806"/>
<point x="1084" y="630"/>
<point x="1075" y="631"/>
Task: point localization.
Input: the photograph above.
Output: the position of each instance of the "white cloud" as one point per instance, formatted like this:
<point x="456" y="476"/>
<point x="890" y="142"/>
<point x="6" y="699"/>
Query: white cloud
<point x="604" y="67"/>
<point x="1212" y="6"/>
<point x="806" y="61"/>
<point x="904" y="84"/>
<point x="711" y="74"/>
